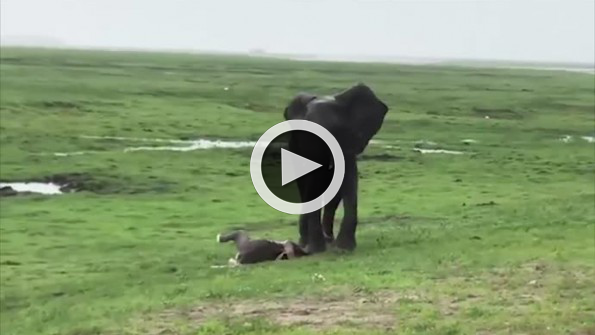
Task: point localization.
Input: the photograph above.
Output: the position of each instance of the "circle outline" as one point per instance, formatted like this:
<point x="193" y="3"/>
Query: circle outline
<point x="256" y="169"/>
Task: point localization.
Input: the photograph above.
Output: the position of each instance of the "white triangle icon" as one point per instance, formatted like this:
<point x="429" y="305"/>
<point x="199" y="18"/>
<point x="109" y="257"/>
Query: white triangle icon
<point x="294" y="166"/>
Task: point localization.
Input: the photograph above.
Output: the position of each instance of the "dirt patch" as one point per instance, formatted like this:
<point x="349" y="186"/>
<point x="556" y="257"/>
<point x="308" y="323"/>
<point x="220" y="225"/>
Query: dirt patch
<point x="372" y="311"/>
<point x="510" y="293"/>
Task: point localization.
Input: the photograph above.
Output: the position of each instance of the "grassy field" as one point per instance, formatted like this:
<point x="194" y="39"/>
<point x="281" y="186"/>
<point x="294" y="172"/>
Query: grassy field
<point x="498" y="240"/>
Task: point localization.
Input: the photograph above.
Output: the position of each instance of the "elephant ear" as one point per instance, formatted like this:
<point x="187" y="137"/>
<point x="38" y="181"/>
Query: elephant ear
<point x="296" y="109"/>
<point x="366" y="114"/>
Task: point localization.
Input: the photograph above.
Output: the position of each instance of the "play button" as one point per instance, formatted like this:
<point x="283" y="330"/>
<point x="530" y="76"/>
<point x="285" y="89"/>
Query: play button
<point x="275" y="176"/>
<point x="294" y="166"/>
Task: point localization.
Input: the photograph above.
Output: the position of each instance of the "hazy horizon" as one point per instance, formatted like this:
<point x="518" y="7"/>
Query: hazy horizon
<point x="523" y="31"/>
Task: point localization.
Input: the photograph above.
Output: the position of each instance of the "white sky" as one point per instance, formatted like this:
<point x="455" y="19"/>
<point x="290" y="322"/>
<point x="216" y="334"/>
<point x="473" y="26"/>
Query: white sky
<point x="562" y="30"/>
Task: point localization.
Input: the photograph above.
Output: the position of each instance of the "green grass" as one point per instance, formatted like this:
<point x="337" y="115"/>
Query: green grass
<point x="135" y="256"/>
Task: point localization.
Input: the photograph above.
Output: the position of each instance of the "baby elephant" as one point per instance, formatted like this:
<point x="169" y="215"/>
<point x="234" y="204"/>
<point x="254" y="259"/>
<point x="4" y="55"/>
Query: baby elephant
<point x="256" y="251"/>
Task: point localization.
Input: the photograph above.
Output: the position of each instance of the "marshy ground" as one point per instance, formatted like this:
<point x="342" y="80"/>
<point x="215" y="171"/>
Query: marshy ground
<point x="495" y="239"/>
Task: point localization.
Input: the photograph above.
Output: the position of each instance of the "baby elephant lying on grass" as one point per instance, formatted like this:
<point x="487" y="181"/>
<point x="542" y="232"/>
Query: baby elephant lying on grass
<point x="256" y="251"/>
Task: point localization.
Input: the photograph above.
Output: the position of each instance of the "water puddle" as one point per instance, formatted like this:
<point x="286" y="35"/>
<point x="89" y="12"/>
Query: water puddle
<point x="438" y="151"/>
<point x="73" y="182"/>
<point x="74" y="153"/>
<point x="136" y="139"/>
<point x="568" y="138"/>
<point x="391" y="147"/>
<point x="468" y="141"/>
<point x="29" y="187"/>
<point x="422" y="146"/>
<point x="174" y="145"/>
<point x="198" y="145"/>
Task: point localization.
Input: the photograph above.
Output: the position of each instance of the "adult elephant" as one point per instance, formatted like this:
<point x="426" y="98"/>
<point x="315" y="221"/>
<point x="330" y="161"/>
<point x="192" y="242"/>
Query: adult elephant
<point x="353" y="116"/>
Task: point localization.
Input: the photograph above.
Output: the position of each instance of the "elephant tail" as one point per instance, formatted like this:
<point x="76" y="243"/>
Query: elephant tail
<point x="239" y="237"/>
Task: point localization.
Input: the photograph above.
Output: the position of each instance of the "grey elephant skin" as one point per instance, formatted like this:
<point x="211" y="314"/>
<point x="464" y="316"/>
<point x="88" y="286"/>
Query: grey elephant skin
<point x="353" y="117"/>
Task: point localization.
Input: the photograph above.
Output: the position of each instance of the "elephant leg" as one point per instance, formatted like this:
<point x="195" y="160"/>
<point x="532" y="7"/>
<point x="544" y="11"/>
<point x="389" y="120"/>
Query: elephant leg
<point x="328" y="218"/>
<point x="302" y="184"/>
<point x="316" y="242"/>
<point x="346" y="237"/>
<point x="303" y="220"/>
<point x="303" y="223"/>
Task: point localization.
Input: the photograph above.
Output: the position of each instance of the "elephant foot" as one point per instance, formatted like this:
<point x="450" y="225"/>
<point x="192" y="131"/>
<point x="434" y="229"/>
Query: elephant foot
<point x="314" y="248"/>
<point x="302" y="243"/>
<point x="329" y="239"/>
<point x="345" y="243"/>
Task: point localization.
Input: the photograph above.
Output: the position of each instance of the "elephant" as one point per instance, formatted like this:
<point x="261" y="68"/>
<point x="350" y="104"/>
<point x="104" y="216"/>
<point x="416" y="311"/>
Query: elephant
<point x="353" y="117"/>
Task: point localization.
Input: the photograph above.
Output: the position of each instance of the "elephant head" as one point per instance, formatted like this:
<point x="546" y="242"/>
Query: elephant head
<point x="296" y="109"/>
<point x="366" y="114"/>
<point x="356" y="112"/>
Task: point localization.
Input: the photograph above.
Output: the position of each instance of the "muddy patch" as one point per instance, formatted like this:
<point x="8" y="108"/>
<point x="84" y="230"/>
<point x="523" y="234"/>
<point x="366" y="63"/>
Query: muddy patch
<point x="430" y="147"/>
<point x="425" y="144"/>
<point x="78" y="182"/>
<point x="468" y="141"/>
<point x="75" y="182"/>
<point x="383" y="157"/>
<point x="7" y="190"/>
<point x="60" y="104"/>
<point x="371" y="311"/>
<point x="51" y="185"/>
<point x="497" y="113"/>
